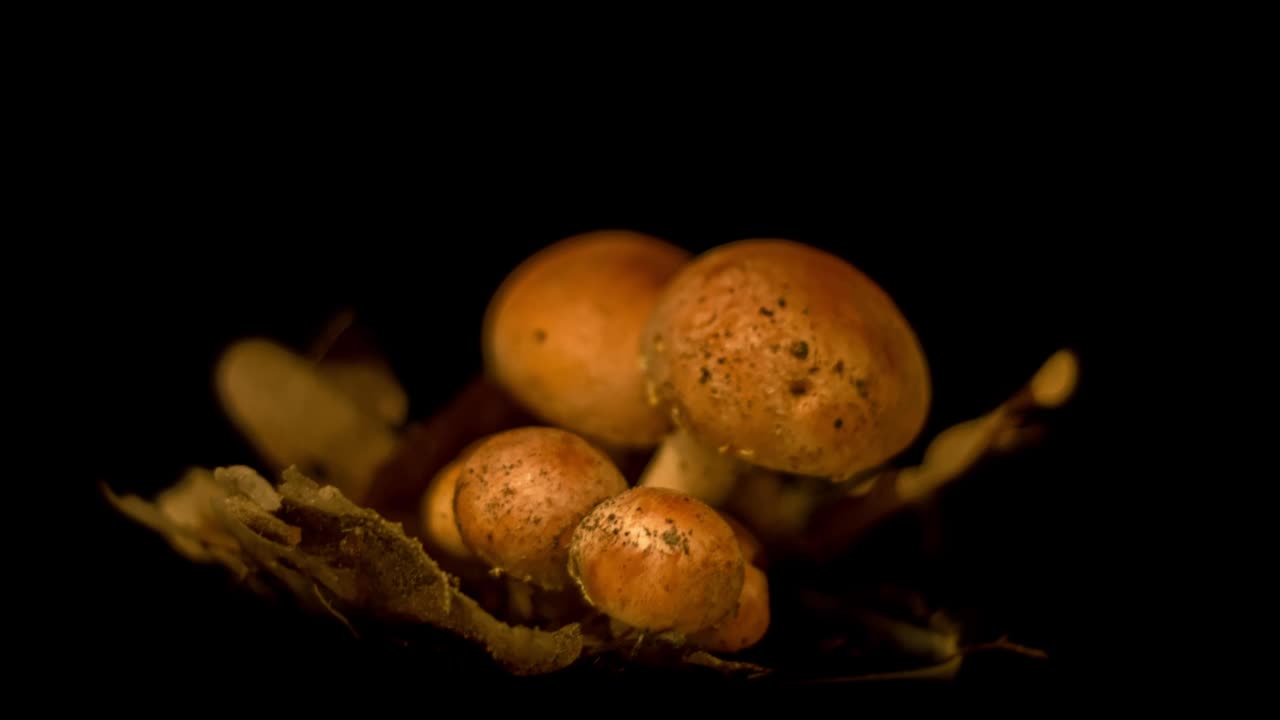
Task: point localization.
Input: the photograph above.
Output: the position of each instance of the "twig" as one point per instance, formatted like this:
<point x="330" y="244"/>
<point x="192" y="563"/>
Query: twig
<point x="945" y="670"/>
<point x="340" y="324"/>
<point x="1003" y="643"/>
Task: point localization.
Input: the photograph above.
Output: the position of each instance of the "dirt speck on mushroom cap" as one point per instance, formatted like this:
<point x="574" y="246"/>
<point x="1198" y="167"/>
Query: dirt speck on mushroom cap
<point x="520" y="494"/>
<point x="872" y="374"/>
<point x="658" y="560"/>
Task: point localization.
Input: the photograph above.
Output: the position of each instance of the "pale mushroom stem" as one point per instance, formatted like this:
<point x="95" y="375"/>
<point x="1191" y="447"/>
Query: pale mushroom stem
<point x="775" y="506"/>
<point x="520" y="599"/>
<point x="682" y="463"/>
<point x="629" y="460"/>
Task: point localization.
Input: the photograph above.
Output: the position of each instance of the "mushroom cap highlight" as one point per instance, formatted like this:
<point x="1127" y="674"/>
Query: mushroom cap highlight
<point x="658" y="560"/>
<point x="789" y="357"/>
<point x="562" y="333"/>
<point x="522" y="492"/>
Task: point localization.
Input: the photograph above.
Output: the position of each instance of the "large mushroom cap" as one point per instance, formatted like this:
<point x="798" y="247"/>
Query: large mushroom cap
<point x="789" y="357"/>
<point x="521" y="493"/>
<point x="658" y="560"/>
<point x="562" y="333"/>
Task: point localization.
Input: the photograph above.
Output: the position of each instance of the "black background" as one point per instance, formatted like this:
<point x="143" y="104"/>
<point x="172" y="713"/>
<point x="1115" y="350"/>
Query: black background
<point x="991" y="237"/>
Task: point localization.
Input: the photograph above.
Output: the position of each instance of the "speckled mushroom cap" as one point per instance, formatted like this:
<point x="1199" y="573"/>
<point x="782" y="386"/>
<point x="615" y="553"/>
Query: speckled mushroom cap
<point x="522" y="492"/>
<point x="562" y="333"/>
<point x="788" y="357"/>
<point x="657" y="559"/>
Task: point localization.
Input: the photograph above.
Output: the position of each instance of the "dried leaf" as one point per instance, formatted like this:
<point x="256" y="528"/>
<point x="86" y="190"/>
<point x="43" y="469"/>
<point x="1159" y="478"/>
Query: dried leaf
<point x="1056" y="380"/>
<point x="243" y="510"/>
<point x="294" y="416"/>
<point x="189" y="503"/>
<point x="338" y="558"/>
<point x="954" y="452"/>
<point x="247" y="481"/>
<point x="185" y="516"/>
<point x="370" y="385"/>
<point x="346" y="356"/>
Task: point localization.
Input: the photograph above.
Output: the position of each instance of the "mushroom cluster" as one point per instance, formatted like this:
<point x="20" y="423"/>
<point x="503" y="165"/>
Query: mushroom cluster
<point x="657" y="436"/>
<point x="761" y="356"/>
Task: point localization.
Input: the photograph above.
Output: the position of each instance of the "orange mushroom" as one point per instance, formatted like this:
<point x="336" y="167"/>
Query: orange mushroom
<point x="658" y="560"/>
<point x="562" y="334"/>
<point x="783" y="356"/>
<point x="520" y="495"/>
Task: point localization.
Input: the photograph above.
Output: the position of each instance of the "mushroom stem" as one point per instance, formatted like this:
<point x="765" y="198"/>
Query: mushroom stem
<point x="776" y="506"/>
<point x="519" y="600"/>
<point x="682" y="463"/>
<point x="630" y="461"/>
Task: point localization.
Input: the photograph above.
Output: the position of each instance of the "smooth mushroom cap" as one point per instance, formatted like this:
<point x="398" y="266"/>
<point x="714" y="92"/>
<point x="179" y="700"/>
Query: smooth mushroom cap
<point x="658" y="560"/>
<point x="788" y="357"/>
<point x="521" y="493"/>
<point x="562" y="333"/>
<point x="749" y="622"/>
<point x="439" y="524"/>
<point x="751" y="547"/>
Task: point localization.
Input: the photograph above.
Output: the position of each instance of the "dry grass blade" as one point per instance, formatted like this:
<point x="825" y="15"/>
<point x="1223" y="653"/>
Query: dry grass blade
<point x="954" y="452"/>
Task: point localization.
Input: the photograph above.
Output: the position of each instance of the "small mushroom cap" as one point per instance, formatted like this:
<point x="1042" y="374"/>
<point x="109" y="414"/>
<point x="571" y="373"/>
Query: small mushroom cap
<point x="751" y="547"/>
<point x="748" y="624"/>
<point x="521" y="493"/>
<point x="562" y="333"/>
<point x="788" y="357"/>
<point x="657" y="559"/>
<point x="439" y="525"/>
